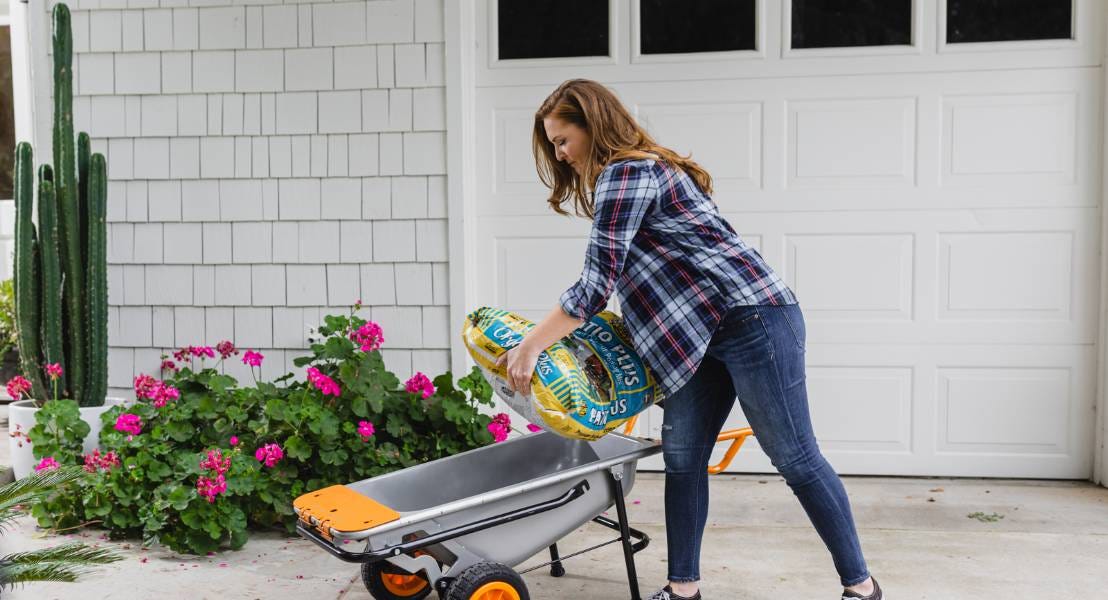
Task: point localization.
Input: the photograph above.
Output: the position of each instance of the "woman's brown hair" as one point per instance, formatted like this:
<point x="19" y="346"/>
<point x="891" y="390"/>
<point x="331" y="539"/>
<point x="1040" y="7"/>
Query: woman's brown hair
<point x="615" y="136"/>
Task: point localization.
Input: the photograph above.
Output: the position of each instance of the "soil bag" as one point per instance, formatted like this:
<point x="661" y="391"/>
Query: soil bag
<point x="584" y="386"/>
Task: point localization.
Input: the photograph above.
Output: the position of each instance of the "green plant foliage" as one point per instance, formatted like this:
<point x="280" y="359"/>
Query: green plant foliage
<point x="157" y="484"/>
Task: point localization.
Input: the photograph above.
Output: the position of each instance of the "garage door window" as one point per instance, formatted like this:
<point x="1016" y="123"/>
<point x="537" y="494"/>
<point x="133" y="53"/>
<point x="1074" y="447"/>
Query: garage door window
<point x="851" y="23"/>
<point x="683" y="26"/>
<point x="1008" y="20"/>
<point x="552" y="28"/>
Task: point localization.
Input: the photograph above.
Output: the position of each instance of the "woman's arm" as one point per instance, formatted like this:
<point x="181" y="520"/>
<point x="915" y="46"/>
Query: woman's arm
<point x="624" y="194"/>
<point x="520" y="361"/>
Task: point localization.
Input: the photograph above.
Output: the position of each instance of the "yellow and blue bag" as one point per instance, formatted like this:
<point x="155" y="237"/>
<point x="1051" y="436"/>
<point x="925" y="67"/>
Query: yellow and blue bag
<point x="584" y="386"/>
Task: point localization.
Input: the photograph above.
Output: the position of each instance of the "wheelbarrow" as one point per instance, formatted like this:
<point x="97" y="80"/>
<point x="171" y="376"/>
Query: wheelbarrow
<point x="458" y="525"/>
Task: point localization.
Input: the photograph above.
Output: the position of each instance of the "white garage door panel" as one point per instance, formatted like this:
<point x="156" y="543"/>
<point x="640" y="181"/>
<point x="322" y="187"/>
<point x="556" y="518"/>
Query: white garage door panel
<point x="936" y="210"/>
<point x="725" y="138"/>
<point x="851" y="143"/>
<point x="1031" y="136"/>
<point x="867" y="168"/>
<point x="852" y="276"/>
<point x="958" y="411"/>
<point x="1013" y="276"/>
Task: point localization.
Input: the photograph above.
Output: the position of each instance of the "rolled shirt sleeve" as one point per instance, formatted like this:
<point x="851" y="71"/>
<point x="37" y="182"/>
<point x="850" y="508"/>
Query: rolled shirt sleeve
<point x="624" y="193"/>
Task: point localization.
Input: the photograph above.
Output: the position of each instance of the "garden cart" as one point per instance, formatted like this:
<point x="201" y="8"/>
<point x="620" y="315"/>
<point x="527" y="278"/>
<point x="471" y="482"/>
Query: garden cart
<point x="458" y="525"/>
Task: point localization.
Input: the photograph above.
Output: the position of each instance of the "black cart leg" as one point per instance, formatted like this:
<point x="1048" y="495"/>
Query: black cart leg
<point x="625" y="532"/>
<point x="556" y="568"/>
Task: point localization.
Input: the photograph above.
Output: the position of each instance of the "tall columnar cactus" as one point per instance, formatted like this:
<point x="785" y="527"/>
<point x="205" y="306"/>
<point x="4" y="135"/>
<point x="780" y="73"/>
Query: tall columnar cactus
<point x="61" y="267"/>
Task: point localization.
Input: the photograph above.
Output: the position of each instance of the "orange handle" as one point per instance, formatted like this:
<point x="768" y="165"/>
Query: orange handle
<point x="738" y="436"/>
<point x="630" y="425"/>
<point x="735" y="436"/>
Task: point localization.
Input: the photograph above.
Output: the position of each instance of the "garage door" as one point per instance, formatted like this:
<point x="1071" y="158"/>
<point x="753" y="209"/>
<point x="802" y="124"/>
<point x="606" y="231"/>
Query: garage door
<point x="925" y="175"/>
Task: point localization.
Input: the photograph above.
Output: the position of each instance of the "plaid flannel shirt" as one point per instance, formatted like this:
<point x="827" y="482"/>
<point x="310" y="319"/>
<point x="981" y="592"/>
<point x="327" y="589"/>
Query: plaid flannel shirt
<point x="673" y="261"/>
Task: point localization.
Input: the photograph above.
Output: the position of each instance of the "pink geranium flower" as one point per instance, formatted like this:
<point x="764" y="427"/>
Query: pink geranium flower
<point x="168" y="365"/>
<point x="18" y="386"/>
<point x="144" y="385"/>
<point x="215" y="461"/>
<point x="498" y="431"/>
<point x="323" y="383"/>
<point x="420" y="384"/>
<point x="163" y="393"/>
<point x="366" y="430"/>
<point x="129" y="423"/>
<point x="234" y="440"/>
<point x="210" y="487"/>
<point x="369" y="336"/>
<point x="95" y="461"/>
<point x="269" y="454"/>
<point x="225" y="349"/>
<point x="47" y="464"/>
<point x="253" y="359"/>
<point x="54" y="371"/>
<point x="202" y="351"/>
<point x="503" y="419"/>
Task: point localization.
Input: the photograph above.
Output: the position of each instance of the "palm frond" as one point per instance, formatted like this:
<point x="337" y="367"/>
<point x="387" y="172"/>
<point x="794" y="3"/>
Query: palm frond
<point x="13" y="574"/>
<point x="73" y="553"/>
<point x="7" y="516"/>
<point x="33" y="488"/>
<point x="37" y="484"/>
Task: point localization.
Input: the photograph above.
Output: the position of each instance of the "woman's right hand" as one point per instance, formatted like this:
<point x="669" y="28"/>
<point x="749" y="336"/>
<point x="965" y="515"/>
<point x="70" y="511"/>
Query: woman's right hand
<point x="519" y="364"/>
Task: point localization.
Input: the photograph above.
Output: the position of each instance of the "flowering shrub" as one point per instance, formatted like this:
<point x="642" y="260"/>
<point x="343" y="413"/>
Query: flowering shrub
<point x="199" y="459"/>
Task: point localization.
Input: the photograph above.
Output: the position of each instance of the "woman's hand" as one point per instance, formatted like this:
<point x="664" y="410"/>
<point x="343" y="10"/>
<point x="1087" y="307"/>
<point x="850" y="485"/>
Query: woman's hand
<point x="519" y="363"/>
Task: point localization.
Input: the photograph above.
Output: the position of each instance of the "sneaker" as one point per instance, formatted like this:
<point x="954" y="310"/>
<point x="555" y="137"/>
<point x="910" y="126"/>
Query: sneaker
<point x="667" y="594"/>
<point x="876" y="595"/>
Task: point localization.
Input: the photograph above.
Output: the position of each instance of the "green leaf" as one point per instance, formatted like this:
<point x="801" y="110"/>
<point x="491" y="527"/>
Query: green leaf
<point x="180" y="497"/>
<point x="180" y="431"/>
<point x="300" y="361"/>
<point x="296" y="447"/>
<point x="338" y="348"/>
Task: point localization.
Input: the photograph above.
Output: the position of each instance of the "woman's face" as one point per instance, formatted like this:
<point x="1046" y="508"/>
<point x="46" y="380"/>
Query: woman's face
<point x="571" y="143"/>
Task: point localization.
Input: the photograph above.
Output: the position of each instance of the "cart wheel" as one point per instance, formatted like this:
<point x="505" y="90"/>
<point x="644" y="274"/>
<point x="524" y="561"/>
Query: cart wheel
<point x="488" y="581"/>
<point x="386" y="581"/>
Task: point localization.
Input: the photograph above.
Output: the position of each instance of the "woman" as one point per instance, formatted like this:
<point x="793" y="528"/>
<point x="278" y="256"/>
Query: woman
<point x="705" y="312"/>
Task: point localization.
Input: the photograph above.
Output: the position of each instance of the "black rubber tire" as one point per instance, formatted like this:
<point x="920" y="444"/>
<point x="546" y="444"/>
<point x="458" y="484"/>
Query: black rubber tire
<point x="372" y="578"/>
<point x="480" y="574"/>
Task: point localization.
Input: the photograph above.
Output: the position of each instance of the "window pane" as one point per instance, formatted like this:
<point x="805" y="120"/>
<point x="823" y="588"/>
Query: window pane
<point x="679" y="26"/>
<point x="1008" y="20"/>
<point x="846" y="23"/>
<point x="7" y="115"/>
<point x="552" y="28"/>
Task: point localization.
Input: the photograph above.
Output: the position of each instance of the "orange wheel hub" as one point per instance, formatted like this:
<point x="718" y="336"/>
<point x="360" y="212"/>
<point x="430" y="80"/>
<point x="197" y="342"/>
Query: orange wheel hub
<point x="403" y="584"/>
<point x="495" y="590"/>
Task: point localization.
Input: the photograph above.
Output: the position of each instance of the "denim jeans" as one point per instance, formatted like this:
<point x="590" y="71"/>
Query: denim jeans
<point x="757" y="354"/>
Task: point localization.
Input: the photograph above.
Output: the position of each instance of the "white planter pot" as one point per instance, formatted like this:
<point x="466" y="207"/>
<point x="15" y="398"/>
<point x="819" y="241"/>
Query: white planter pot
<point x="21" y="418"/>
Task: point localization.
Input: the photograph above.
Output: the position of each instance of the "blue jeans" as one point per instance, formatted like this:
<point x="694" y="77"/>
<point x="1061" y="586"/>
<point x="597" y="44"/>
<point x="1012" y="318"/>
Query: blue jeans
<point x="756" y="354"/>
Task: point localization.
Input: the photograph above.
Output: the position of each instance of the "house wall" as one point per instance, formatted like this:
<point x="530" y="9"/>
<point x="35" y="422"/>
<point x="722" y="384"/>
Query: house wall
<point x="270" y="162"/>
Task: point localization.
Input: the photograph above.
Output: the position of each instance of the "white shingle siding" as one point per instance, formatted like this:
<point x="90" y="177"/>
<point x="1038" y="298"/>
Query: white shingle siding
<point x="270" y="162"/>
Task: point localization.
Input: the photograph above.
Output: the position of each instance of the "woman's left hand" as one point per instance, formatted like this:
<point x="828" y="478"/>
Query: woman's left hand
<point x="520" y="362"/>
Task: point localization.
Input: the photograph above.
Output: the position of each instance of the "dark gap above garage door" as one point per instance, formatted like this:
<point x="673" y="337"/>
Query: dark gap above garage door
<point x="685" y="26"/>
<point x="1008" y="20"/>
<point x="851" y="23"/>
<point x="552" y="28"/>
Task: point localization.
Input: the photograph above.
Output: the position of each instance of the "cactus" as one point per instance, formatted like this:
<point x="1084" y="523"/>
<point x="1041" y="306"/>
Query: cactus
<point x="61" y="272"/>
<point x="51" y="270"/>
<point x="26" y="281"/>
<point x="65" y="184"/>
<point x="97" y="280"/>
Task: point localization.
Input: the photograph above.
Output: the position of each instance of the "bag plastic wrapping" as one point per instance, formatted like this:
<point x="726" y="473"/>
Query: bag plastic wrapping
<point x="584" y="386"/>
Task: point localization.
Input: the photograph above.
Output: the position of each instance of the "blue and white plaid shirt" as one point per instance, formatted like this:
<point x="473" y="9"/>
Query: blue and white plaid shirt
<point x="674" y="262"/>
